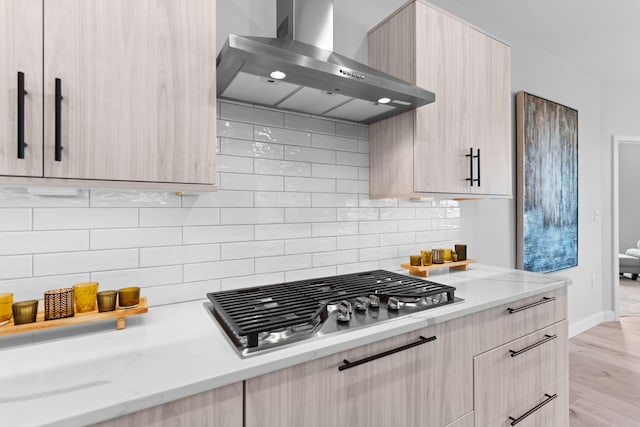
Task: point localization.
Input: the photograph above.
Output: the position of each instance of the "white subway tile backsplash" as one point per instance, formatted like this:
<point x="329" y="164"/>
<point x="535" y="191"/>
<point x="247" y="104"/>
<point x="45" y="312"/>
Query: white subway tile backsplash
<point x="15" y="267"/>
<point x="178" y="217"/>
<point x="370" y="227"/>
<point x="172" y="255"/>
<point x="306" y="154"/>
<point x="351" y="186"/>
<point x="314" y="244"/>
<point x="217" y="234"/>
<point x="84" y="262"/>
<point x="133" y="199"/>
<point x="20" y="198"/>
<point x="281" y="167"/>
<point x="359" y="241"/>
<point x="81" y="218"/>
<point x="37" y="242"/>
<point x="234" y="164"/>
<point x="281" y="136"/>
<point x="334" y="200"/>
<point x="142" y="277"/>
<point x="254" y="280"/>
<point x="34" y="288"/>
<point x="319" y="170"/>
<point x="218" y="269"/>
<point x="357" y="214"/>
<point x="15" y="219"/>
<point x="279" y="199"/>
<point x="247" y="114"/>
<point x="309" y="273"/>
<point x="331" y="142"/>
<point x="292" y="215"/>
<point x="234" y="181"/>
<point x="282" y="263"/>
<point x="135" y="237"/>
<point x="236" y="130"/>
<point x="310" y="124"/>
<point x="282" y="231"/>
<point x="221" y="198"/>
<point x="251" y="249"/>
<point x="316" y="185"/>
<point x="292" y="204"/>
<point x="352" y="130"/>
<point x="251" y="215"/>
<point x="321" y="259"/>
<point x="352" y="159"/>
<point x="248" y="149"/>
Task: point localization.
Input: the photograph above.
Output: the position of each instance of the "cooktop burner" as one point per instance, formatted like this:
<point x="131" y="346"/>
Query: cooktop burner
<point x="264" y="317"/>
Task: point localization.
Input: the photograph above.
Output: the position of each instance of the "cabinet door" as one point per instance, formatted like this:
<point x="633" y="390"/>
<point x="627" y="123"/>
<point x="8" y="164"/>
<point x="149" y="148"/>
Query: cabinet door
<point x="426" y="385"/>
<point x="21" y="52"/>
<point x="490" y="98"/>
<point x="443" y="128"/>
<point x="138" y="86"/>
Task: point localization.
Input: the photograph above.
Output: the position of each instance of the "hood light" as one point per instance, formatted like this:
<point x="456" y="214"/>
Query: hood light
<point x="278" y="75"/>
<point x="384" y="101"/>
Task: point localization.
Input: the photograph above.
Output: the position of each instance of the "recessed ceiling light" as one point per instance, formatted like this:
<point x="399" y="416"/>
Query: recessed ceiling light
<point x="384" y="101"/>
<point x="278" y="75"/>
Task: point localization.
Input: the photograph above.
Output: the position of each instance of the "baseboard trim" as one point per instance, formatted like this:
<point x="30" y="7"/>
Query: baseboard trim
<point x="580" y="326"/>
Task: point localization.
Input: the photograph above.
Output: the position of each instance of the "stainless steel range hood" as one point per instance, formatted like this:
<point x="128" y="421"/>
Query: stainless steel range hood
<point x="316" y="80"/>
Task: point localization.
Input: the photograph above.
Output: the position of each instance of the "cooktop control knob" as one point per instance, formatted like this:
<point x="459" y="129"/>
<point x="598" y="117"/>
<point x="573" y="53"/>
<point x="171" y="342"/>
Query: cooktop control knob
<point x="393" y="303"/>
<point x="374" y="301"/>
<point x="344" y="311"/>
<point x="362" y="303"/>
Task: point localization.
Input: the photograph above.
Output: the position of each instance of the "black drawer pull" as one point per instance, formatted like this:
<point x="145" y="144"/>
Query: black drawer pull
<point x="58" y="121"/>
<point x="548" y="399"/>
<point x="478" y="178"/>
<point x="346" y="364"/>
<point x="533" y="304"/>
<point x="547" y="338"/>
<point x="21" y="95"/>
<point x="470" y="156"/>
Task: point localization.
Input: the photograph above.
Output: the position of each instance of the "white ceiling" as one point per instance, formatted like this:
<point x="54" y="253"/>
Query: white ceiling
<point x="601" y="37"/>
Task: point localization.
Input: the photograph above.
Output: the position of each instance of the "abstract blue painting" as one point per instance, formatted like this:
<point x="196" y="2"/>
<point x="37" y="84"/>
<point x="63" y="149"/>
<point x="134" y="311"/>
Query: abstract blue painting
<point x="547" y="148"/>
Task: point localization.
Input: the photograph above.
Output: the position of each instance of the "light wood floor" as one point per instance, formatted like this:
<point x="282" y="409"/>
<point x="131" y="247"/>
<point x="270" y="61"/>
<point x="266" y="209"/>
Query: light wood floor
<point x="604" y="374"/>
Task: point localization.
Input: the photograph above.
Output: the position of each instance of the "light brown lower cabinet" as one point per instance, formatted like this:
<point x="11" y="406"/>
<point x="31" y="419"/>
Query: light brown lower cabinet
<point x="221" y="407"/>
<point x="429" y="384"/>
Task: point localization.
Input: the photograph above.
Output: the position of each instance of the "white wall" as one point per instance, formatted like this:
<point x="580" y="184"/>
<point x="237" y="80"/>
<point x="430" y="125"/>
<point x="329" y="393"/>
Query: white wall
<point x="629" y="196"/>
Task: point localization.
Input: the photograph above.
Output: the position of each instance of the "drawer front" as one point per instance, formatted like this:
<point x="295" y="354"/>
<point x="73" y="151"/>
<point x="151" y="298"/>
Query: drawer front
<point x="508" y="375"/>
<point x="500" y="325"/>
<point x="548" y="409"/>
<point x="429" y="384"/>
<point x="466" y="421"/>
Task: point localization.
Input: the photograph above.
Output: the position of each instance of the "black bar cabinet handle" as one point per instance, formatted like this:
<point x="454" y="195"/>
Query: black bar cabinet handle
<point x="58" y="113"/>
<point x="547" y="338"/>
<point x="346" y="364"/>
<point x="21" y="94"/>
<point x="478" y="178"/>
<point x="533" y="304"/>
<point x="470" y="156"/>
<point x="548" y="399"/>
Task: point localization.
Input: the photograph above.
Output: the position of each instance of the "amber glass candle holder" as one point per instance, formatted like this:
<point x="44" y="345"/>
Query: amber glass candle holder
<point x="85" y="295"/>
<point x="58" y="304"/>
<point x="426" y="257"/>
<point x="25" y="312"/>
<point x="107" y="300"/>
<point x="461" y="250"/>
<point x="6" y="301"/>
<point x="415" y="260"/>
<point x="129" y="297"/>
<point x="438" y="256"/>
<point x="447" y="254"/>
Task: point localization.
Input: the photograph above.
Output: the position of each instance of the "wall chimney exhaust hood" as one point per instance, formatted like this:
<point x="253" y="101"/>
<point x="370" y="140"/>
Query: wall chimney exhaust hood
<point x="298" y="71"/>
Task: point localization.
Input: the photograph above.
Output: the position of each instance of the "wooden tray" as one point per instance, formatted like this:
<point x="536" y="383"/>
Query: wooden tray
<point x="423" y="271"/>
<point x="120" y="314"/>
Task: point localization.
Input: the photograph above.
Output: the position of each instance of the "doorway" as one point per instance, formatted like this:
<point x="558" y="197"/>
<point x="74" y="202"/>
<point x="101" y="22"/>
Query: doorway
<point x="627" y="146"/>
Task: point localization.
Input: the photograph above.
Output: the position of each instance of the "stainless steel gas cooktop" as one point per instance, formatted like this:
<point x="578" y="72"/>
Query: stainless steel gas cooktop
<point x="265" y="317"/>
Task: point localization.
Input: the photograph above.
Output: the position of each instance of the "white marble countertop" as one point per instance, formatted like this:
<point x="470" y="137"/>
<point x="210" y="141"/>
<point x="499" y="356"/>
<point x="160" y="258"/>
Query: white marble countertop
<point x="83" y="375"/>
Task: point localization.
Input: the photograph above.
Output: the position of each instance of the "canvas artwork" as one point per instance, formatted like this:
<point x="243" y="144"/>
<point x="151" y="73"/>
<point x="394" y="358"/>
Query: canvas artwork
<point x="547" y="147"/>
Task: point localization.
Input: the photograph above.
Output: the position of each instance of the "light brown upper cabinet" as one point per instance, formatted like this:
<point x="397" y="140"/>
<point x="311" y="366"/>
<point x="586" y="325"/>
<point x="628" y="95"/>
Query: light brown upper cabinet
<point x="129" y="92"/>
<point x="461" y="144"/>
